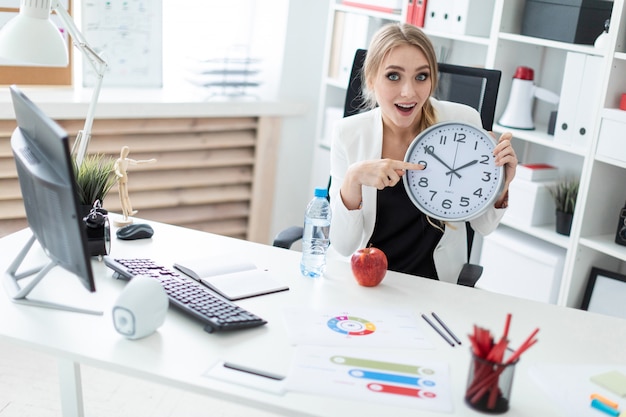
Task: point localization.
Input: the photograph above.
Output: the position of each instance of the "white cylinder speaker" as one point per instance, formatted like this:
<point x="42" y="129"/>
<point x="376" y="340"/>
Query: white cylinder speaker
<point x="141" y="308"/>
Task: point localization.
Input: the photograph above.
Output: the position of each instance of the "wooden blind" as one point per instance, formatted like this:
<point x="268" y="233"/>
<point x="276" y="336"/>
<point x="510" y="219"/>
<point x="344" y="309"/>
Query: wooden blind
<point x="211" y="174"/>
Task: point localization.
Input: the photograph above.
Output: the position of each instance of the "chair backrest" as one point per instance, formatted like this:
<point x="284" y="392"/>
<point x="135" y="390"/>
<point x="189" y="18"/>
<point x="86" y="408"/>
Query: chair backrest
<point x="476" y="87"/>
<point x="354" y="99"/>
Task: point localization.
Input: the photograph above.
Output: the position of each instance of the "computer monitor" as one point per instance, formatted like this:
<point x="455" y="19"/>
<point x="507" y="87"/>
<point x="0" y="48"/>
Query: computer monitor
<point x="45" y="171"/>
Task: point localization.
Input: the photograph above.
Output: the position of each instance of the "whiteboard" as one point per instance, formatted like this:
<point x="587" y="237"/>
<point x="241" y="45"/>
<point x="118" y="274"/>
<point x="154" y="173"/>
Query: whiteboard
<point x="128" y="35"/>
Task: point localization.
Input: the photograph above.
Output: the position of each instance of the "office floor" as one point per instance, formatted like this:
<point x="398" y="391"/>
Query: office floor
<point x="29" y="387"/>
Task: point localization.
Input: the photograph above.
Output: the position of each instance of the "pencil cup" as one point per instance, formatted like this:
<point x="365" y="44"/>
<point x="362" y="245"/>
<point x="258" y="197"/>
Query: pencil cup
<point x="489" y="385"/>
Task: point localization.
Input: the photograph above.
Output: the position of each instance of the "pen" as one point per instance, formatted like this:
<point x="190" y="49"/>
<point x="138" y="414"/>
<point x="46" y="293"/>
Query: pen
<point x="252" y="371"/>
<point x="599" y="405"/>
<point x="456" y="339"/>
<point x="442" y="334"/>
<point x="605" y="400"/>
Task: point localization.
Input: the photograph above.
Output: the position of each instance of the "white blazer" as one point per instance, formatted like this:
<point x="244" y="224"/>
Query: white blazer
<point x="360" y="137"/>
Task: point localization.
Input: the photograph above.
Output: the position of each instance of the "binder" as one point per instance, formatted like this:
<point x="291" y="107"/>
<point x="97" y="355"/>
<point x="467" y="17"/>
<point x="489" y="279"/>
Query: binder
<point x="419" y="13"/>
<point x="437" y="14"/>
<point x="460" y="17"/>
<point x="334" y="61"/>
<point x="580" y="91"/>
<point x="410" y="6"/>
<point x="416" y="12"/>
<point x="354" y="37"/>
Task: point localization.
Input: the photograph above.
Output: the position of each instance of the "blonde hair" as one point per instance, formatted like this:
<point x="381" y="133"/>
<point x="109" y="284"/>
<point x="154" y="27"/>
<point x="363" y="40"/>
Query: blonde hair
<point x="384" y="40"/>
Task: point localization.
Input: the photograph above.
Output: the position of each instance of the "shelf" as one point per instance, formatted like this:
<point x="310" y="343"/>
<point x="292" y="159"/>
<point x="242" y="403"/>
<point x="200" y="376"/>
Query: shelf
<point x="605" y="244"/>
<point x="396" y="17"/>
<point x="620" y="55"/>
<point x="565" y="46"/>
<point x="540" y="137"/>
<point x="611" y="161"/>
<point x="458" y="38"/>
<point x="545" y="232"/>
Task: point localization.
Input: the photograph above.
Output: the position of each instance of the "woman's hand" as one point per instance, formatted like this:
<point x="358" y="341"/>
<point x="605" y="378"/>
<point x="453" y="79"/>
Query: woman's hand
<point x="505" y="156"/>
<point x="378" y="173"/>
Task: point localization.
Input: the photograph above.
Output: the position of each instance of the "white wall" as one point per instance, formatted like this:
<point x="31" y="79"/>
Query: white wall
<point x="300" y="81"/>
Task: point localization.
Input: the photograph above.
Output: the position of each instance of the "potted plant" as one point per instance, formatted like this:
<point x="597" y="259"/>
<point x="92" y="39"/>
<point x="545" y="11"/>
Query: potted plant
<point x="94" y="179"/>
<point x="565" y="193"/>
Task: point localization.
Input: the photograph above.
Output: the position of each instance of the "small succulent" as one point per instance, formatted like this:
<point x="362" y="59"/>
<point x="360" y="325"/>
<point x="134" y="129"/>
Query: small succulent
<point x="565" y="194"/>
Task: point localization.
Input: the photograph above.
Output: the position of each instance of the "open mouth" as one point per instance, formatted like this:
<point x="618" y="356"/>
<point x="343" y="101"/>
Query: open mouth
<point x="405" y="108"/>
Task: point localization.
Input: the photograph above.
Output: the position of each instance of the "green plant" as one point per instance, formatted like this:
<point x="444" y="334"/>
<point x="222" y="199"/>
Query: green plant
<point x="565" y="194"/>
<point x="94" y="178"/>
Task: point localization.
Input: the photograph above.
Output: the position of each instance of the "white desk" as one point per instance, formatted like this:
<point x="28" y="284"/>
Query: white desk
<point x="181" y="351"/>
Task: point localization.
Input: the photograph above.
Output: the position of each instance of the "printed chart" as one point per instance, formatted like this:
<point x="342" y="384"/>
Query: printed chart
<point x="351" y="325"/>
<point x="358" y="327"/>
<point x="367" y="375"/>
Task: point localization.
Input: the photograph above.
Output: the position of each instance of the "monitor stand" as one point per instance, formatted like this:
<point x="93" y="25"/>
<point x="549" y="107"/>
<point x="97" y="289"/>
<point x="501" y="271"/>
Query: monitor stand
<point x="18" y="294"/>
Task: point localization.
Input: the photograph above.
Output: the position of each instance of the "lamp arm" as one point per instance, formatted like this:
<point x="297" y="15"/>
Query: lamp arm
<point x="98" y="64"/>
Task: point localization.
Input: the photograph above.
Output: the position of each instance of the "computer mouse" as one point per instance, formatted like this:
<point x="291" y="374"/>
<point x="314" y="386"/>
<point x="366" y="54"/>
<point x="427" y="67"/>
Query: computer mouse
<point x="135" y="231"/>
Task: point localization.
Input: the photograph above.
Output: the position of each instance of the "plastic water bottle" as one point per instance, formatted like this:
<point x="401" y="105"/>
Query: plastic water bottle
<point x="315" y="238"/>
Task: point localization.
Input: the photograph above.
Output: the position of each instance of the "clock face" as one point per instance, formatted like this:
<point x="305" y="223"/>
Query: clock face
<point x="460" y="179"/>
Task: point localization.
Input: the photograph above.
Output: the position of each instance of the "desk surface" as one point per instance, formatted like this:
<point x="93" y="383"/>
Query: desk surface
<point x="180" y="351"/>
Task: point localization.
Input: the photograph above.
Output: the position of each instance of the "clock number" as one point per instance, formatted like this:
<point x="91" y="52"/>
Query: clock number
<point x="487" y="176"/>
<point x="423" y="163"/>
<point x="433" y="193"/>
<point x="459" y="137"/>
<point x="423" y="182"/>
<point x="485" y="159"/>
<point x="429" y="149"/>
<point x="478" y="193"/>
<point x="475" y="145"/>
<point x="447" y="204"/>
<point x="465" y="201"/>
<point x="443" y="139"/>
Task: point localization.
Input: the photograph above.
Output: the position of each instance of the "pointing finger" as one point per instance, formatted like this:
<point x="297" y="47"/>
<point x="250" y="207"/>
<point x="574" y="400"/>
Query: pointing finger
<point x="404" y="166"/>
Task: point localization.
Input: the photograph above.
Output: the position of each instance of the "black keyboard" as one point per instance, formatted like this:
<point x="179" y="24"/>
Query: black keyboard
<point x="189" y="296"/>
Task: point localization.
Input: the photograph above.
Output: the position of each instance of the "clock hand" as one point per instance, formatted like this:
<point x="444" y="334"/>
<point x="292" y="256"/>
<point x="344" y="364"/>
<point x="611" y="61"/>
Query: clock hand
<point x="454" y="171"/>
<point x="430" y="152"/>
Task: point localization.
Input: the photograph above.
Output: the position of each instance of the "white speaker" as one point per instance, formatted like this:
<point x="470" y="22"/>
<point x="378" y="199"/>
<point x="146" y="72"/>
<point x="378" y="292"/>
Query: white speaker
<point x="141" y="308"/>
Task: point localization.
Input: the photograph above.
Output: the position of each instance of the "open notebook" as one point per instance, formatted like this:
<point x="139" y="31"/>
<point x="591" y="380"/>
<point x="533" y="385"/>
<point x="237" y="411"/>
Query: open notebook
<point x="231" y="277"/>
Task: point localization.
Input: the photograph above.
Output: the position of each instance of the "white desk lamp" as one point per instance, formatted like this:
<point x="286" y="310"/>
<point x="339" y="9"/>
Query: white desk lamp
<point x="32" y="39"/>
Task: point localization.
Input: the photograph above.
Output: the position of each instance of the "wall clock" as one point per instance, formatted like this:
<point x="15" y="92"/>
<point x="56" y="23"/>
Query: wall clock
<point x="460" y="179"/>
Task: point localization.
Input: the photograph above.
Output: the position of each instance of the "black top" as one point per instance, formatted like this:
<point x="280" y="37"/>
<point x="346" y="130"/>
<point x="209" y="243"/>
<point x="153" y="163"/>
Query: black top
<point x="404" y="234"/>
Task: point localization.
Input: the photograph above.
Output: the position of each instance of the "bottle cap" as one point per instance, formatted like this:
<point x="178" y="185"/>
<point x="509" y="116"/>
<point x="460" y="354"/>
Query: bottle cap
<point x="321" y="192"/>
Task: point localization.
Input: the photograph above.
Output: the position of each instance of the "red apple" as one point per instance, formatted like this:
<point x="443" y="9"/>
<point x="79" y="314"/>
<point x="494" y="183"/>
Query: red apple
<point x="369" y="266"/>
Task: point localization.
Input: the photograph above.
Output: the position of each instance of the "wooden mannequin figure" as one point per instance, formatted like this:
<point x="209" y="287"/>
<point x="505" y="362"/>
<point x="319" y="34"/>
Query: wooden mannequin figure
<point x="121" y="166"/>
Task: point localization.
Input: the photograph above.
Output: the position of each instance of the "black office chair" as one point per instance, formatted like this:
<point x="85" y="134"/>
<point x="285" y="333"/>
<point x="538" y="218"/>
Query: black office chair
<point x="476" y="87"/>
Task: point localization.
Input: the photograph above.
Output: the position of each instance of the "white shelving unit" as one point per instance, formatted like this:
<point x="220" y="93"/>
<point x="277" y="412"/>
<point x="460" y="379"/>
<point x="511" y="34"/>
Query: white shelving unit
<point x="602" y="179"/>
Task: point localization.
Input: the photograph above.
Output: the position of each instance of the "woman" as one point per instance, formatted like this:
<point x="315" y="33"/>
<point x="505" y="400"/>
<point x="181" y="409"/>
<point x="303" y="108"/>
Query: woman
<point x="369" y="202"/>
